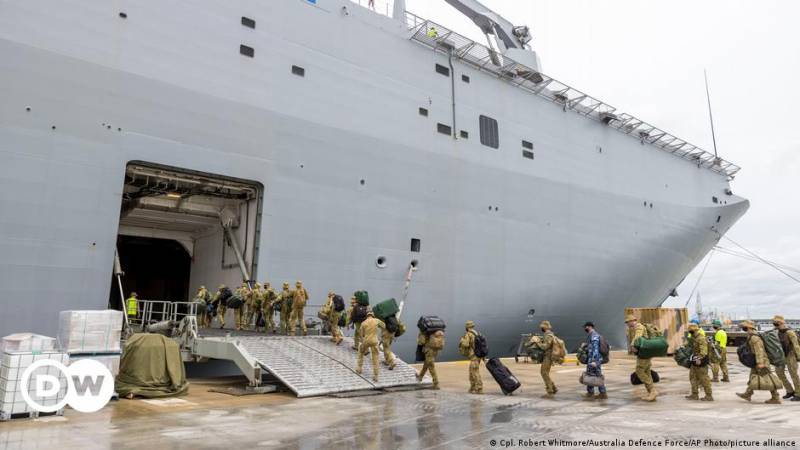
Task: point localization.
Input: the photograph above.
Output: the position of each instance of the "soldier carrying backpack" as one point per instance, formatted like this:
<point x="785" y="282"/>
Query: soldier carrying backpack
<point x="430" y="342"/>
<point x="474" y="347"/>
<point x="555" y="352"/>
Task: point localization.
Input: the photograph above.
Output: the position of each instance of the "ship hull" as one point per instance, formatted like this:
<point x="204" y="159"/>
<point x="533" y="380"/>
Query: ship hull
<point x="577" y="235"/>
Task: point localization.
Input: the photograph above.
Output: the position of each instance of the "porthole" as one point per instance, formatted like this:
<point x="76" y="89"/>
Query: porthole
<point x="380" y="261"/>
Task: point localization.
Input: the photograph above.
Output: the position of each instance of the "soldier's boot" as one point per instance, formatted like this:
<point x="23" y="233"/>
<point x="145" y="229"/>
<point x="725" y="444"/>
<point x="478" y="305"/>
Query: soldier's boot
<point x="788" y="395"/>
<point x="707" y="398"/>
<point x="692" y="397"/>
<point x="715" y="380"/>
<point x="548" y="396"/>
<point x="725" y="379"/>
<point x="795" y="399"/>
<point x="603" y="396"/>
<point x="775" y="400"/>
<point x="588" y="396"/>
<point x="651" y="396"/>
<point x="435" y="386"/>
<point x="745" y="395"/>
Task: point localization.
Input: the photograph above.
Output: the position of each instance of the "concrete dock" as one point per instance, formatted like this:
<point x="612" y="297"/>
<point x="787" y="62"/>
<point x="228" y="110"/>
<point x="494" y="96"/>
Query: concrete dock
<point x="427" y="419"/>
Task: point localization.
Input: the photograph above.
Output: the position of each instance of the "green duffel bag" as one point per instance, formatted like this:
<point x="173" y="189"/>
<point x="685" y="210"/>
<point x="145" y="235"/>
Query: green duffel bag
<point x="535" y="354"/>
<point x="362" y="298"/>
<point x="385" y="309"/>
<point x="683" y="356"/>
<point x="652" y="348"/>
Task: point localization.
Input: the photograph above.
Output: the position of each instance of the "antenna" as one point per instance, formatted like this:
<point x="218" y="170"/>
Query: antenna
<point x="710" y="115"/>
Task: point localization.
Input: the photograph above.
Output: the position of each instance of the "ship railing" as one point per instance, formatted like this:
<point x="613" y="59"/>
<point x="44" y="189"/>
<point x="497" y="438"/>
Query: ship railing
<point x="446" y="41"/>
<point x="382" y="7"/>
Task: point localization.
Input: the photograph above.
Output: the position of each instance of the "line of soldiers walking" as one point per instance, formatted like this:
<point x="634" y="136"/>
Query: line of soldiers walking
<point x="255" y="308"/>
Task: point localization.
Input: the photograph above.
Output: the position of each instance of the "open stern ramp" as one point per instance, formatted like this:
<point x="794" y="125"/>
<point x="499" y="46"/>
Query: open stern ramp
<point x="308" y="365"/>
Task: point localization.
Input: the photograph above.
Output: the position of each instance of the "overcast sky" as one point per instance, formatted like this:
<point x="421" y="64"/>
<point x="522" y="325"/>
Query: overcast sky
<point x="647" y="58"/>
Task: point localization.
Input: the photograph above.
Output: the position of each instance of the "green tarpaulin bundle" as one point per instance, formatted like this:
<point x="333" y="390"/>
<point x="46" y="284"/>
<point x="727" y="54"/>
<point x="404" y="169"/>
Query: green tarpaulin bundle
<point x="151" y="367"/>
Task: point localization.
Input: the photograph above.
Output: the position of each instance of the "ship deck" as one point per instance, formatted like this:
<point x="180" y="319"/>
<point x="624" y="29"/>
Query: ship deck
<point x="444" y="419"/>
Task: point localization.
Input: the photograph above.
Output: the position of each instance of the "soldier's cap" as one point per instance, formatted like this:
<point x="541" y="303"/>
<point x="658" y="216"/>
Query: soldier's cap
<point x="298" y="282"/>
<point x="469" y="324"/>
<point x="134" y="294"/>
<point x="545" y="324"/>
<point x="285" y="284"/>
<point x="588" y="324"/>
<point x="694" y="327"/>
<point x="370" y="313"/>
<point x="221" y="286"/>
<point x="630" y="318"/>
<point x="778" y="319"/>
<point x="747" y="324"/>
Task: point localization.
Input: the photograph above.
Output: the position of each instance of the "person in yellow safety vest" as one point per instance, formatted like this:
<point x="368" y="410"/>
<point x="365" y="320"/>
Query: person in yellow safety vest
<point x="722" y="339"/>
<point x="432" y="33"/>
<point x="132" y="305"/>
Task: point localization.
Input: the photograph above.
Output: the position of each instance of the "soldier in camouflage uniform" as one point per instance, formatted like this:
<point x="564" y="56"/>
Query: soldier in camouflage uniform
<point x="698" y="372"/>
<point x="269" y="299"/>
<point x="285" y="301"/>
<point x="791" y="348"/>
<point x="222" y="308"/>
<point x="386" y="341"/>
<point x="352" y="324"/>
<point x="643" y="365"/>
<point x="333" y="320"/>
<point x="369" y="343"/>
<point x="204" y="298"/>
<point x="467" y="348"/>
<point x="756" y="344"/>
<point x="239" y="313"/>
<point x="254" y="301"/>
<point x="298" y="306"/>
<point x="431" y="346"/>
<point x="546" y="344"/>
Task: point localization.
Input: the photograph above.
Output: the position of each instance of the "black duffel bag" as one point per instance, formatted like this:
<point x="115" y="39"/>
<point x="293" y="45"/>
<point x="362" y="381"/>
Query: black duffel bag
<point x="430" y="324"/>
<point x="392" y="324"/>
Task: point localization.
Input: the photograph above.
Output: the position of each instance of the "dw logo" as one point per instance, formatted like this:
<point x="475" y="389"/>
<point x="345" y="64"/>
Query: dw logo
<point x="90" y="385"/>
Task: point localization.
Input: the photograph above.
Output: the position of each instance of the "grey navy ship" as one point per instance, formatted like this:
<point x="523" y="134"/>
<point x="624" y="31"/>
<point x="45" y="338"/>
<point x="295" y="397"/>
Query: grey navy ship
<point x="210" y="142"/>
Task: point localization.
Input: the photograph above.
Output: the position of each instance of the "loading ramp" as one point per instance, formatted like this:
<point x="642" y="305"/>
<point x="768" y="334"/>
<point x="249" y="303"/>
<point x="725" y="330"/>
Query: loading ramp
<point x="308" y="365"/>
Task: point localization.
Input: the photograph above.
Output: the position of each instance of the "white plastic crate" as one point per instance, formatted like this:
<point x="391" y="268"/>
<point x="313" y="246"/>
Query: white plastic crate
<point x="111" y="361"/>
<point x="12" y="366"/>
<point x="27" y="342"/>
<point x="90" y="331"/>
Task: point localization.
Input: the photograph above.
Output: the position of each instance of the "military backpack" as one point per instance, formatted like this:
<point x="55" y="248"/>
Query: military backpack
<point x="559" y="351"/>
<point x="772" y="344"/>
<point x="436" y="340"/>
<point x="746" y="355"/>
<point x="683" y="356"/>
<point x="338" y="303"/>
<point x="652" y="331"/>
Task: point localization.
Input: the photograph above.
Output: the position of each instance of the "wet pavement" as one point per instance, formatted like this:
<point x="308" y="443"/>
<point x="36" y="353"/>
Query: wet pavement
<point x="426" y="419"/>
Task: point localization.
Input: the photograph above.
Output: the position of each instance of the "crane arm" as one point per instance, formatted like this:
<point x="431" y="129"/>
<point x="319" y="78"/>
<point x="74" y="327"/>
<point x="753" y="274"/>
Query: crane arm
<point x="492" y="23"/>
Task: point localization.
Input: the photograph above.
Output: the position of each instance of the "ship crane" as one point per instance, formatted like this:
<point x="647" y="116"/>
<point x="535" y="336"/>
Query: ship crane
<point x="503" y="36"/>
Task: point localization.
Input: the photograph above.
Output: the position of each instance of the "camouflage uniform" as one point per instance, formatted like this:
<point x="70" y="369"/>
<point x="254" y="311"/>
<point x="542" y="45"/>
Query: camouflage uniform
<point x="369" y="344"/>
<point x="756" y="344"/>
<point x="333" y="323"/>
<point x="351" y="324"/>
<point x="254" y="301"/>
<point x="698" y="374"/>
<point x="430" y="359"/>
<point x="721" y="337"/>
<point x="468" y="350"/>
<point x="239" y="313"/>
<point x="791" y="348"/>
<point x="546" y="344"/>
<point x="643" y="365"/>
<point x="298" y="305"/>
<point x="286" y="303"/>
<point x="386" y="340"/>
<point x="203" y="319"/>
<point x="268" y="307"/>
<point x="222" y="308"/>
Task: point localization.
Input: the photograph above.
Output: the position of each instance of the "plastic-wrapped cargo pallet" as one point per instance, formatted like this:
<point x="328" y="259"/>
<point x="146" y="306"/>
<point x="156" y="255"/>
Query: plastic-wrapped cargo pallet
<point x="19" y="351"/>
<point x="111" y="361"/>
<point x="90" y="331"/>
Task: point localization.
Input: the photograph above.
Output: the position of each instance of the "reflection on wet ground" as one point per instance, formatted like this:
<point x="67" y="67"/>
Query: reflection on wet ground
<point x="425" y="419"/>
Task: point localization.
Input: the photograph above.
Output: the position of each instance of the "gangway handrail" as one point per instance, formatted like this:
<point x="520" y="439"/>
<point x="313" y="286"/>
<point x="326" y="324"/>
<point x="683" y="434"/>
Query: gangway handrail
<point x="482" y="58"/>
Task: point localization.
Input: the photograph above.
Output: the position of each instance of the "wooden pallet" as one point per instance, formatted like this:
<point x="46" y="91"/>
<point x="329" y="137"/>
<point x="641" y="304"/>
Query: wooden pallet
<point x="4" y="416"/>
